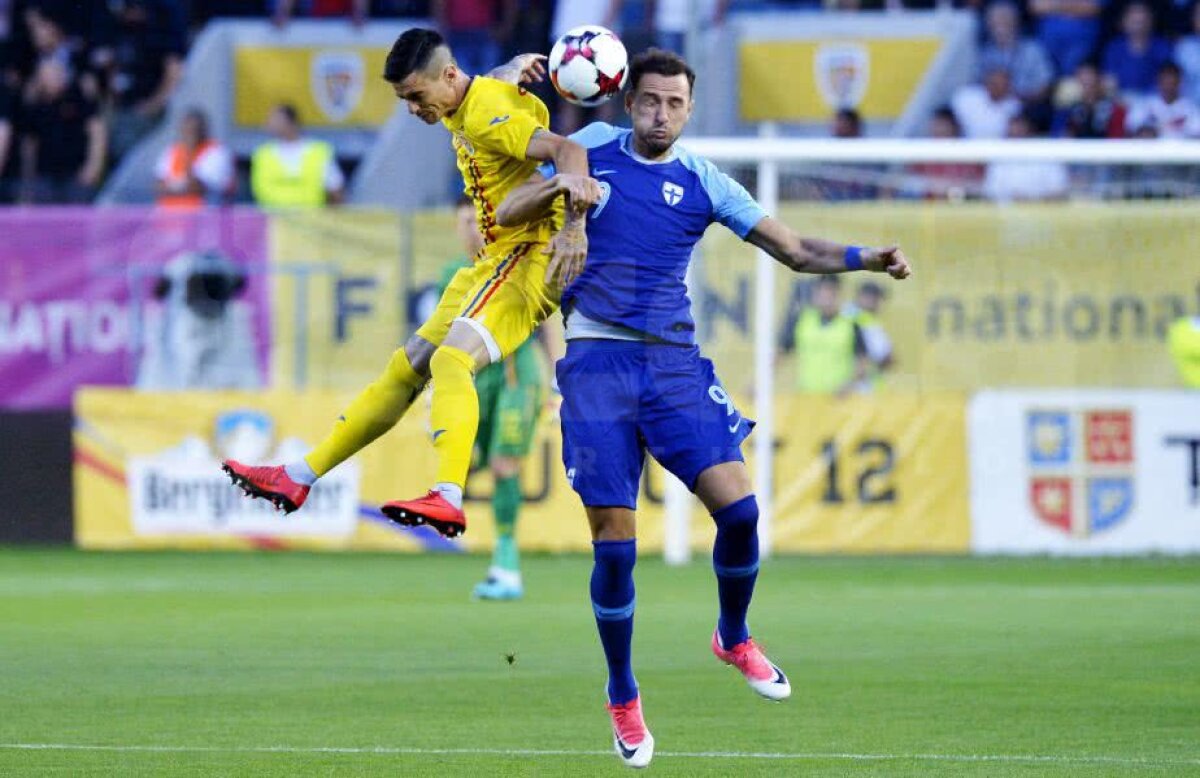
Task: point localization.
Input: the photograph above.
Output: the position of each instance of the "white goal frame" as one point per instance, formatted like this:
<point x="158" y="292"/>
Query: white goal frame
<point x="767" y="151"/>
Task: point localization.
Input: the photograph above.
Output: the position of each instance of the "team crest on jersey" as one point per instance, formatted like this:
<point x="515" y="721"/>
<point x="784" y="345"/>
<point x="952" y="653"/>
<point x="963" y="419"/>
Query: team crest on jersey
<point x="672" y="193"/>
<point x="337" y="83"/>
<point x="842" y="73"/>
<point x="1081" y="468"/>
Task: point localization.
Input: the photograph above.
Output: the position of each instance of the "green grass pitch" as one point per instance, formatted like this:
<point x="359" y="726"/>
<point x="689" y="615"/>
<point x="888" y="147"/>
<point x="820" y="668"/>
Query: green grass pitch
<point x="299" y="664"/>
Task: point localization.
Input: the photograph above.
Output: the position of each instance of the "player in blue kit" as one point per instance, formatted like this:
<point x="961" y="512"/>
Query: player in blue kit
<point x="633" y="379"/>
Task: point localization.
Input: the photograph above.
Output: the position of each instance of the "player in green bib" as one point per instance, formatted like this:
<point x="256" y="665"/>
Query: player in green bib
<point x="511" y="394"/>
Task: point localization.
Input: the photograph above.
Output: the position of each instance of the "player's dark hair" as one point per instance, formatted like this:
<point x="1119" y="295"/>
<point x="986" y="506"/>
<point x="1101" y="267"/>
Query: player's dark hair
<point x="660" y="63"/>
<point x="411" y="52"/>
<point x="464" y="201"/>
<point x="1172" y="68"/>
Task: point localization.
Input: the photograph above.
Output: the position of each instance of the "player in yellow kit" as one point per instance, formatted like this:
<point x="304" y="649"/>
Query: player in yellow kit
<point x="500" y="136"/>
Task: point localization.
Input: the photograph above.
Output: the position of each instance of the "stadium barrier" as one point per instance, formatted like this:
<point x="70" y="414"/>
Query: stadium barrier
<point x="864" y="475"/>
<point x="1022" y="297"/>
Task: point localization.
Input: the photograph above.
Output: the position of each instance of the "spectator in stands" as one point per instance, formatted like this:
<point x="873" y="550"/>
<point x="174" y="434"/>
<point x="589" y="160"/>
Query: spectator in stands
<point x="195" y="170"/>
<point x="984" y="110"/>
<point x="204" y="11"/>
<point x="1069" y="30"/>
<point x="7" y="102"/>
<point x="475" y="30"/>
<point x="1090" y="113"/>
<point x="848" y="182"/>
<point x="48" y="37"/>
<point x="830" y="353"/>
<point x="945" y="180"/>
<point x="1187" y="56"/>
<point x="1026" y="62"/>
<point x="846" y="124"/>
<point x="1132" y="59"/>
<point x="672" y="18"/>
<point x="1183" y="342"/>
<point x="864" y="311"/>
<point x="321" y="9"/>
<point x="147" y="66"/>
<point x="532" y="28"/>
<point x="292" y="171"/>
<point x="63" y="147"/>
<point x="1168" y="114"/>
<point x="1041" y="180"/>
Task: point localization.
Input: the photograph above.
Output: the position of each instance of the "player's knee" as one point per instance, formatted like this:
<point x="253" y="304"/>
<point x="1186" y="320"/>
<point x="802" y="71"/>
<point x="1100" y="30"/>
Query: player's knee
<point x="612" y="523"/>
<point x="739" y="517"/>
<point x="447" y="360"/>
<point x="418" y="352"/>
<point x="506" y="467"/>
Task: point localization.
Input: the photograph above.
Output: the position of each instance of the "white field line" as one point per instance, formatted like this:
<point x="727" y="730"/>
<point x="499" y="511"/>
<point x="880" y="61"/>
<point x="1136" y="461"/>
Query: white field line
<point x="550" y="752"/>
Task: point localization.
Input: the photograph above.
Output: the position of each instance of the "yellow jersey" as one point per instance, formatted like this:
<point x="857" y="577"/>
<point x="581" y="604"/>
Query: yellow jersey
<point x="491" y="130"/>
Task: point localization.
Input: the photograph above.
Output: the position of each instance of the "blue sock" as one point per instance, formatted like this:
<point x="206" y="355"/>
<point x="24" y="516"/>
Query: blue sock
<point x="735" y="561"/>
<point x="612" y="602"/>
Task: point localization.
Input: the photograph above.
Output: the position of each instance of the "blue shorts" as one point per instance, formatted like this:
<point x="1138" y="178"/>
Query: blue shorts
<point x="623" y="398"/>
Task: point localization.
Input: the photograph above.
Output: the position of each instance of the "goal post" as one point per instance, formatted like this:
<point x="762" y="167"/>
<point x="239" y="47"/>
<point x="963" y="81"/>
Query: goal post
<point x="768" y="155"/>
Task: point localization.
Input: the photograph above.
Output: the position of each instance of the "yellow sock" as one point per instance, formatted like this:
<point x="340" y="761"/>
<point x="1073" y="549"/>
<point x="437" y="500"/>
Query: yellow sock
<point x="454" y="414"/>
<point x="375" y="411"/>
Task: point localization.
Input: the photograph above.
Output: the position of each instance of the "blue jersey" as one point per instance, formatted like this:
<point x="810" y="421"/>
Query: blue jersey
<point x="642" y="233"/>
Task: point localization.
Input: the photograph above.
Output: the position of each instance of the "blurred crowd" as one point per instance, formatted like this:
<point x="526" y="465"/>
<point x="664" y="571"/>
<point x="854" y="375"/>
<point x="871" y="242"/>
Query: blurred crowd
<point x="1072" y="69"/>
<point x="82" y="81"/>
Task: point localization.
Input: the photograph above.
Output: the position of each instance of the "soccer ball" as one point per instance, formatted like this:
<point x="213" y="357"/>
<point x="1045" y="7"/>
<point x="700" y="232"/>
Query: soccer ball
<point x="588" y="65"/>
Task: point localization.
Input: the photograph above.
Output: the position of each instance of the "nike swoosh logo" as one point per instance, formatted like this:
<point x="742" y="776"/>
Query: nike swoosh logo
<point x="602" y="172"/>
<point x="734" y="428"/>
<point x="499" y="120"/>
<point x="436" y="433"/>
<point x="779" y="676"/>
<point x="627" y="753"/>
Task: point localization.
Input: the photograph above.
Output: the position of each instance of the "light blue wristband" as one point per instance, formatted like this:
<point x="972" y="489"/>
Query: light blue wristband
<point x="854" y="260"/>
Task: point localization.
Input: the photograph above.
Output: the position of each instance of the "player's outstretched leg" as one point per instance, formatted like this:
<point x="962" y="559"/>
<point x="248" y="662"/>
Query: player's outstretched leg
<point x="504" y="575"/>
<point x="613" y="604"/>
<point x="735" y="561"/>
<point x="375" y="411"/>
<point x="454" y="416"/>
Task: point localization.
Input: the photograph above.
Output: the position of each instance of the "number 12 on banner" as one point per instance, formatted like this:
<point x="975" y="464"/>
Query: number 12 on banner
<point x="872" y="463"/>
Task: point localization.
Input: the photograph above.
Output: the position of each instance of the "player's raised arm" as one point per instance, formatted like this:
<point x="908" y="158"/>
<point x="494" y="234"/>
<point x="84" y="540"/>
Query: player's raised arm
<point x="569" y="158"/>
<point x="534" y="199"/>
<point x="568" y="248"/>
<point x="815" y="255"/>
<point x="521" y="69"/>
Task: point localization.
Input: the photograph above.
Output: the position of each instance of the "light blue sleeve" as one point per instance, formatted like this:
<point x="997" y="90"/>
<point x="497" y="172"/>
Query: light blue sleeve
<point x="591" y="136"/>
<point x="732" y="204"/>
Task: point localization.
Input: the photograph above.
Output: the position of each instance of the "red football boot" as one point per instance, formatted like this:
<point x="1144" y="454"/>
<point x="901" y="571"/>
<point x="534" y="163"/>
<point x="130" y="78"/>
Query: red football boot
<point x="432" y="509"/>
<point x="763" y="675"/>
<point x="269" y="483"/>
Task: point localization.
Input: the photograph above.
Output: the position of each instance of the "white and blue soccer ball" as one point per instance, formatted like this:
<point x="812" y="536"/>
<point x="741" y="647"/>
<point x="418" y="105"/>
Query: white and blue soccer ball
<point x="588" y="65"/>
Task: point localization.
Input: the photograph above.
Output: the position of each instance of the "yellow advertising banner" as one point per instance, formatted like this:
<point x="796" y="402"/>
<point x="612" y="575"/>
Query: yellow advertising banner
<point x="330" y="87"/>
<point x="875" y="76"/>
<point x="869" y="475"/>
<point x="147" y="475"/>
<point x="339" y="296"/>
<point x="1036" y="295"/>
<point x="861" y="476"/>
<point x="348" y="286"/>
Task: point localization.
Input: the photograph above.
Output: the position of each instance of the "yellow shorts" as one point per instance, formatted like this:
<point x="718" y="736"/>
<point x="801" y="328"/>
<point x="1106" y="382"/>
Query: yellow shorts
<point x="503" y="297"/>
